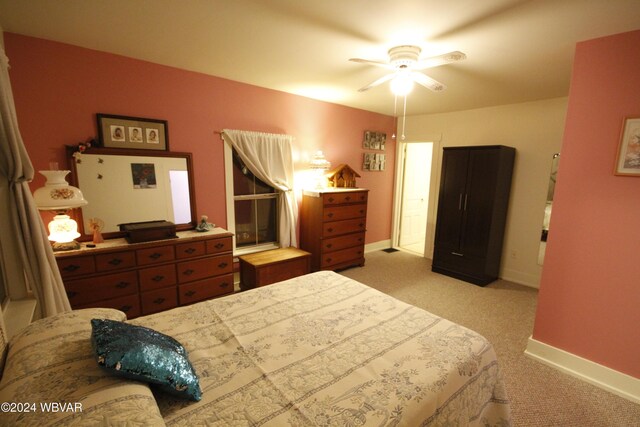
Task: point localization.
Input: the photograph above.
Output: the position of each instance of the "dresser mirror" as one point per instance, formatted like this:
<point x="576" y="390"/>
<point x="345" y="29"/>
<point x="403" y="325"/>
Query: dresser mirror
<point x="124" y="186"/>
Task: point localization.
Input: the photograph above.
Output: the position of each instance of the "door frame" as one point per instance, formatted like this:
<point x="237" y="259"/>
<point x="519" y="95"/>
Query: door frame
<point x="436" y="160"/>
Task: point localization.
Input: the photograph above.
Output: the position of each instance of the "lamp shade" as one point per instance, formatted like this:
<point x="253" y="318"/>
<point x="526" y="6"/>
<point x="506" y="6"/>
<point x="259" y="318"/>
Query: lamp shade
<point x="319" y="162"/>
<point x="57" y="194"/>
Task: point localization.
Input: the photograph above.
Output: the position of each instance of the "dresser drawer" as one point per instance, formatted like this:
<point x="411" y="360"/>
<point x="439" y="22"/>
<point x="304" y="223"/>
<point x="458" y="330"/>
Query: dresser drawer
<point x="199" y="269"/>
<point x="190" y="250"/>
<point x="115" y="261"/>
<point x="337" y="228"/>
<point x="159" y="300"/>
<point x="354" y="255"/>
<point x="346" y="197"/>
<point x="90" y="290"/>
<point x="157" y="277"/>
<point x="155" y="255"/>
<point x="76" y="266"/>
<point x="219" y="245"/>
<point x="129" y="304"/>
<point x="342" y="242"/>
<point x="205" y="289"/>
<point x="335" y="213"/>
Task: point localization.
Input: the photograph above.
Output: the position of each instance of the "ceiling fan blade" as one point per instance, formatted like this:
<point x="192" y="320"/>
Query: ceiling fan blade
<point x="435" y="61"/>
<point x="375" y="63"/>
<point x="377" y="82"/>
<point x="427" y="82"/>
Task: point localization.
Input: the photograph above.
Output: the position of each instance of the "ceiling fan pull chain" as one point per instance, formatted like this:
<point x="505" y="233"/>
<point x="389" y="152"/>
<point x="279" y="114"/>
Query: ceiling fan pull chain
<point x="395" y="115"/>
<point x="404" y="117"/>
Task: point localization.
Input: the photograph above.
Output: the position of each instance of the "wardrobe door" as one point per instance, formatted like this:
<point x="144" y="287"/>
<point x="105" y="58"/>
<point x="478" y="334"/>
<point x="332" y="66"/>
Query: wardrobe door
<point x="450" y="204"/>
<point x="479" y="201"/>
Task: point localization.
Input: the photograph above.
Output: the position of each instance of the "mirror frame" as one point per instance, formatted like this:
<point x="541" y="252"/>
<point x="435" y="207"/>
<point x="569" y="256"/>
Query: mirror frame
<point x="73" y="178"/>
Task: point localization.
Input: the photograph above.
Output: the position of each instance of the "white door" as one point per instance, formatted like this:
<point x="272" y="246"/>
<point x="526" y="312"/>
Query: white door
<point x="415" y="196"/>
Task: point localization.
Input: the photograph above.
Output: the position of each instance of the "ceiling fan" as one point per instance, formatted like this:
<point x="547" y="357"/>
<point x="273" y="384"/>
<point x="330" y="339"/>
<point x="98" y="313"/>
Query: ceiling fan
<point x="404" y="61"/>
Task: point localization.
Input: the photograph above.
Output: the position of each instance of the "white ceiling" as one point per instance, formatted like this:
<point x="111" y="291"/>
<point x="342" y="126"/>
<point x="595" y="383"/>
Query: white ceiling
<point x="517" y="50"/>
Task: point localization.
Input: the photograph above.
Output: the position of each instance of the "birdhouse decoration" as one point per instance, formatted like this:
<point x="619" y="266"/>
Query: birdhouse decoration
<point x="342" y="176"/>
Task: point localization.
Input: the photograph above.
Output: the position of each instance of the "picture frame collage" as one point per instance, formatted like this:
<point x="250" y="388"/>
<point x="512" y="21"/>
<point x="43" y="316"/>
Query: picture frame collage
<point x="132" y="132"/>
<point x="375" y="162"/>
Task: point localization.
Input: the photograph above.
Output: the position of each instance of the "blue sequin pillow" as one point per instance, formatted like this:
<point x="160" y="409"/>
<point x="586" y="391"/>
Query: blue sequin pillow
<point x="143" y="354"/>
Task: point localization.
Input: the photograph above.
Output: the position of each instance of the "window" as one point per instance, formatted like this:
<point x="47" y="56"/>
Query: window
<point x="253" y="216"/>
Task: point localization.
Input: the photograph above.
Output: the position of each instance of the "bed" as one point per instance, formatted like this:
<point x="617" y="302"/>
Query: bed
<point x="320" y="349"/>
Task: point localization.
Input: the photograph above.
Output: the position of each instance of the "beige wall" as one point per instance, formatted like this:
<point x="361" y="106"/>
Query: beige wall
<point x="535" y="129"/>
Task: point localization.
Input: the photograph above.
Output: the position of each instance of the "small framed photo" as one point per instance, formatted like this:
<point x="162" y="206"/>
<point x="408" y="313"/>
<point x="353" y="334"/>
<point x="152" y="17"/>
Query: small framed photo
<point x="628" y="158"/>
<point x="143" y="175"/>
<point x="132" y="132"/>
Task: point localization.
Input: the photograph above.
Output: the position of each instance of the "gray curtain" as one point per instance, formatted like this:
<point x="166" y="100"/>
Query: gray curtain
<point x="25" y="251"/>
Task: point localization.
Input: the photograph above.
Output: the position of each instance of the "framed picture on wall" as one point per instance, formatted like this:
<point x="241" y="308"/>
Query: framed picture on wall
<point x="628" y="158"/>
<point x="132" y="132"/>
<point x="374" y="162"/>
<point x="374" y="140"/>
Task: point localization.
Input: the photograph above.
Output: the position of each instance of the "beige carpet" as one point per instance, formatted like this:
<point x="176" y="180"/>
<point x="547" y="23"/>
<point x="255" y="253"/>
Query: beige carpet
<point x="504" y="313"/>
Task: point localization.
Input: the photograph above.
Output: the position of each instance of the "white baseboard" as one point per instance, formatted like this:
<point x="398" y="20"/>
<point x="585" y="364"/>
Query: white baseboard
<point x="377" y="246"/>
<point x="526" y="279"/>
<point x="608" y="379"/>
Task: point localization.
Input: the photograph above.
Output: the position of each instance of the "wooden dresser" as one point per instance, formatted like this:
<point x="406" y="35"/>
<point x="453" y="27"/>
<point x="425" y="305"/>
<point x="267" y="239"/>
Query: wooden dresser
<point x="332" y="227"/>
<point x="144" y="278"/>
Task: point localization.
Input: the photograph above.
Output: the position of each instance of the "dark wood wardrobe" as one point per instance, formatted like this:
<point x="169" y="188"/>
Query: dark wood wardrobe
<point x="472" y="211"/>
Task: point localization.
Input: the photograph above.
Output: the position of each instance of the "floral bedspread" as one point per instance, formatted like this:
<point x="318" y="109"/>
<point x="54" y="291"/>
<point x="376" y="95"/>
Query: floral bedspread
<point x="325" y="350"/>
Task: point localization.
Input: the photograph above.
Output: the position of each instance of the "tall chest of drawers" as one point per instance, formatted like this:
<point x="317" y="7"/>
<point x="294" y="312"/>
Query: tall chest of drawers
<point x="332" y="227"/>
<point x="145" y="278"/>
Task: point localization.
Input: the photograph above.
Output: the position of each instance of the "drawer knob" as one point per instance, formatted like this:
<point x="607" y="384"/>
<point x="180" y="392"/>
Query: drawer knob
<point x="222" y="265"/>
<point x="71" y="268"/>
<point x="158" y="300"/>
<point x="155" y="255"/>
<point x="122" y="285"/>
<point x="330" y="215"/>
<point x="157" y="278"/>
<point x="224" y="284"/>
<point x="331" y="199"/>
<point x="362" y="211"/>
<point x="330" y="230"/>
<point x="329" y="245"/>
<point x="190" y="250"/>
<point x="347" y="198"/>
<point x="125" y="308"/>
<point x="219" y="245"/>
<point x="71" y="294"/>
<point x="329" y="259"/>
<point x="361" y="225"/>
<point x="190" y="293"/>
<point x="115" y="261"/>
<point x="188" y="272"/>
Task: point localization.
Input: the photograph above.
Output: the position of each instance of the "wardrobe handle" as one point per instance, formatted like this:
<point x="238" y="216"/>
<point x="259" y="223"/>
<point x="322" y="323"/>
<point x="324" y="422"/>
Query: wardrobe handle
<point x="460" y="202"/>
<point x="465" y="201"/>
<point x="457" y="254"/>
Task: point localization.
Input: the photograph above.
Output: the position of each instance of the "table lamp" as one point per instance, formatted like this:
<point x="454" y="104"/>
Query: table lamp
<point x="57" y="195"/>
<point x="319" y="164"/>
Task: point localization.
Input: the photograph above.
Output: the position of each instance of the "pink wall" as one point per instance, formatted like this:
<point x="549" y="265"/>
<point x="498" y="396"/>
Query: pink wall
<point x="589" y="301"/>
<point x="59" y="88"/>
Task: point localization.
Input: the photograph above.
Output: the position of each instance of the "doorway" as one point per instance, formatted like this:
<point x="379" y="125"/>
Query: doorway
<point x="414" y="197"/>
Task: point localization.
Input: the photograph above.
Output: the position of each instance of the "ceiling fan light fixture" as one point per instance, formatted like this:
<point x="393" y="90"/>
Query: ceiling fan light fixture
<point x="402" y="84"/>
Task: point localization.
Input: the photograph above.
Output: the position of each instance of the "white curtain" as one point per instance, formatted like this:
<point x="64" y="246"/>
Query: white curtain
<point x="25" y="250"/>
<point x="269" y="157"/>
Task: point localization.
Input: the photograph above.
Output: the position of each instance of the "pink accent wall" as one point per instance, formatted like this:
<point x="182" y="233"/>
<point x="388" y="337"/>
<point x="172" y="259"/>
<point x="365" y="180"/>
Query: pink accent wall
<point x="589" y="301"/>
<point x="59" y="88"/>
